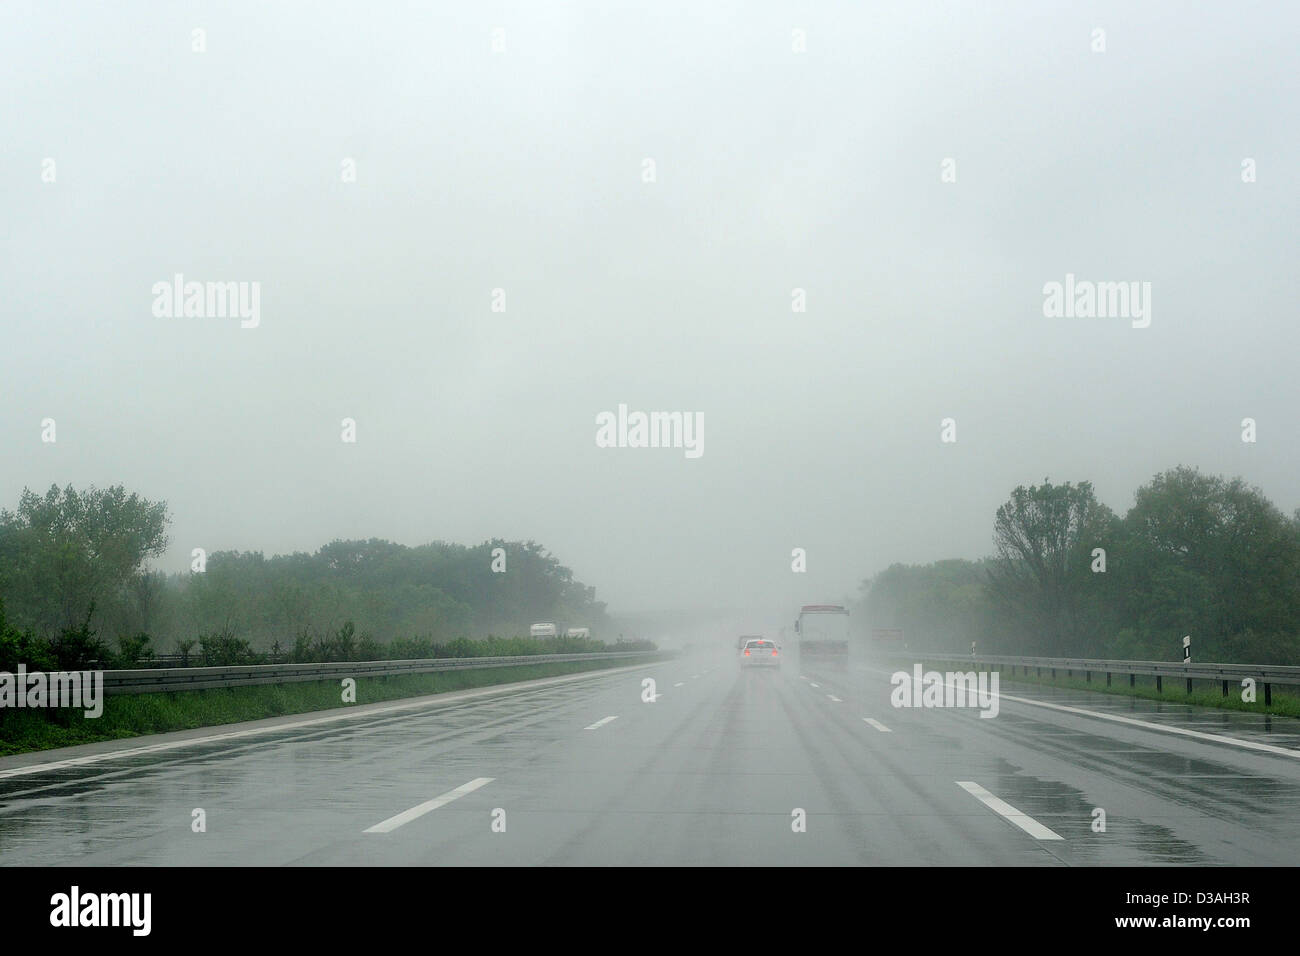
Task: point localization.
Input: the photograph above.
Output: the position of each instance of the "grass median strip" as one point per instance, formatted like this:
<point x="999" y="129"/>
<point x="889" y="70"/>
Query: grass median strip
<point x="132" y="715"/>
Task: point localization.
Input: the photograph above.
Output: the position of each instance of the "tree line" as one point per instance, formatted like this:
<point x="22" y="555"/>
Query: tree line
<point x="1196" y="554"/>
<point x="75" y="585"/>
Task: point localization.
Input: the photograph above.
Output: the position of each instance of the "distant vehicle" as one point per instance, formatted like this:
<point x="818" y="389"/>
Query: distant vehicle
<point x="578" y="632"/>
<point x="887" y="637"/>
<point x="543" y="630"/>
<point x="823" y="631"/>
<point x="760" y="653"/>
<point x="740" y="641"/>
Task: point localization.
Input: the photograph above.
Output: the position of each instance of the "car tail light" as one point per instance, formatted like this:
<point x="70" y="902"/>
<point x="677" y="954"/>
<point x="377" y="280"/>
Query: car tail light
<point x="747" y="652"/>
<point x="774" y="653"/>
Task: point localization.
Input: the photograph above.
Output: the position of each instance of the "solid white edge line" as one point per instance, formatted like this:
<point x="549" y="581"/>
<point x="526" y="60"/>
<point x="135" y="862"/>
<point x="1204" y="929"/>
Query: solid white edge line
<point x="601" y="723"/>
<point x="1022" y="820"/>
<point x="1147" y="725"/>
<point x="406" y="816"/>
<point x="878" y="725"/>
<point x="424" y="701"/>
<point x="1144" y="724"/>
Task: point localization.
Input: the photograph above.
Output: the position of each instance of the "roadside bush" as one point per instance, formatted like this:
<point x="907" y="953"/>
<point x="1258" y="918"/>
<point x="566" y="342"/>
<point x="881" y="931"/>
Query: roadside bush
<point x="22" y="647"/>
<point x="369" y="649"/>
<point x="77" y="648"/>
<point x="226" y="650"/>
<point x="302" y="652"/>
<point x="134" y="651"/>
<point x="410" y="649"/>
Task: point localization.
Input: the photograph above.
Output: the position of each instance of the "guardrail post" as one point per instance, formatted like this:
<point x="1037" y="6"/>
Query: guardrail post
<point x="1107" y="678"/>
<point x="1225" y="688"/>
<point x="1053" y="673"/>
<point x="1189" y="685"/>
<point x="1087" y="676"/>
<point x="1132" y="680"/>
<point x="1160" y="684"/>
<point x="1268" y="695"/>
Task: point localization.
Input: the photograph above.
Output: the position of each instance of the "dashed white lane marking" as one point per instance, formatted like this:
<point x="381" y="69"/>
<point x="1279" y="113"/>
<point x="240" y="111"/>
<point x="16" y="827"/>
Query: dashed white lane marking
<point x="811" y="684"/>
<point x="878" y="725"/>
<point x="803" y="676"/>
<point x="406" y="816"/>
<point x="601" y="723"/>
<point x="420" y="703"/>
<point x="695" y="677"/>
<point x="1022" y="820"/>
<point x="834" y="698"/>
<point x="679" y="684"/>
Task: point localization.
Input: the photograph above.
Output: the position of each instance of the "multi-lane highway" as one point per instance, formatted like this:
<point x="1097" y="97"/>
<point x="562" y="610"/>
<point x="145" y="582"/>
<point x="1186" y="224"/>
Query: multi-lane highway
<point x="718" y="768"/>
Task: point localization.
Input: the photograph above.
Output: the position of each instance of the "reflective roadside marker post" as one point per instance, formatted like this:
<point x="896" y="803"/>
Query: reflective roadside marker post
<point x="1187" y="657"/>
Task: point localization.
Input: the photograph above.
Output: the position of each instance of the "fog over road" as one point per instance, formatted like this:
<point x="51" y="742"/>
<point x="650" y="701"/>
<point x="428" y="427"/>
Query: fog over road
<point x="710" y="772"/>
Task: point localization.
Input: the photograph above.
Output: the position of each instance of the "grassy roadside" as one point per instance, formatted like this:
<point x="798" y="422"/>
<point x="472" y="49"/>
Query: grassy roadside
<point x="1204" y="693"/>
<point x="130" y="715"/>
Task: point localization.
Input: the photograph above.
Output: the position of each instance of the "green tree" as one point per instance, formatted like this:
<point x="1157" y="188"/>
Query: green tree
<point x="1214" y="558"/>
<point x="66" y="552"/>
<point x="1042" y="576"/>
<point x="941" y="606"/>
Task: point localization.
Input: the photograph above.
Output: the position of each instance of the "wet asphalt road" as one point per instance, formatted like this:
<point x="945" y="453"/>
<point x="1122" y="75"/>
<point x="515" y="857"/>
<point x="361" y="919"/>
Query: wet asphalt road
<point x="710" y="772"/>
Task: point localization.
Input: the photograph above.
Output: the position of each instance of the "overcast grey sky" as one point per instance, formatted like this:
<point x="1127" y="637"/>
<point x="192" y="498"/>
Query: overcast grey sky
<point x="523" y="170"/>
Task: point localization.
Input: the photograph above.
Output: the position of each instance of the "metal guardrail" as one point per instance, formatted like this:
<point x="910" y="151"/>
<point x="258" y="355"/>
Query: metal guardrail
<point x="1266" y="674"/>
<point x="155" y="679"/>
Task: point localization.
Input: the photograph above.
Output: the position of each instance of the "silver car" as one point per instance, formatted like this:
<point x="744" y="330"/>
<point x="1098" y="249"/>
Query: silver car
<point x="760" y="653"/>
